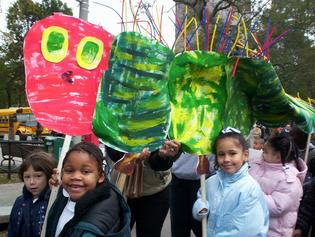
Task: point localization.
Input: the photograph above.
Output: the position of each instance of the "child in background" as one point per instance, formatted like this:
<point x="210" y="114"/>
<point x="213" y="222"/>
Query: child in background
<point x="28" y="212"/>
<point x="280" y="174"/>
<point x="235" y="204"/>
<point x="255" y="140"/>
<point x="256" y="132"/>
<point x="258" y="143"/>
<point x="301" y="138"/>
<point x="89" y="205"/>
<point x="255" y="151"/>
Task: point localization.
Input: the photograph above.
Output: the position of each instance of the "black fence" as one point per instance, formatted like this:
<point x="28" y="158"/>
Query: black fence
<point x="16" y="149"/>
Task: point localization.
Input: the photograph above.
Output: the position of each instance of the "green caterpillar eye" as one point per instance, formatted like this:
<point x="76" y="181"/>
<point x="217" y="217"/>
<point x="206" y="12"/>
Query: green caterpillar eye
<point x="89" y="53"/>
<point x="54" y="44"/>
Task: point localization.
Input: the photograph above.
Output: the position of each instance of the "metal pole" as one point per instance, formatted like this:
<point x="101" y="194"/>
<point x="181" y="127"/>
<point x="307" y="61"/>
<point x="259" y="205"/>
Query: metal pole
<point x="83" y="14"/>
<point x="84" y="9"/>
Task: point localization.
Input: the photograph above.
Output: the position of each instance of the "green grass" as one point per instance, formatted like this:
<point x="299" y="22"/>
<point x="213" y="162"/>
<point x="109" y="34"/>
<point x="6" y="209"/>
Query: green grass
<point x="4" y="178"/>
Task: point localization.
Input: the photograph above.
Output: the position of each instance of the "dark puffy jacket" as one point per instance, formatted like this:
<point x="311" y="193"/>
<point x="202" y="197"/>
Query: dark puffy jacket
<point x="27" y="218"/>
<point x="310" y="163"/>
<point x="100" y="212"/>
<point x="306" y="216"/>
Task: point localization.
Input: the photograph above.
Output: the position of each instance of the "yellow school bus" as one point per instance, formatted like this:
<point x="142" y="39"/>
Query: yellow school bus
<point x="20" y="121"/>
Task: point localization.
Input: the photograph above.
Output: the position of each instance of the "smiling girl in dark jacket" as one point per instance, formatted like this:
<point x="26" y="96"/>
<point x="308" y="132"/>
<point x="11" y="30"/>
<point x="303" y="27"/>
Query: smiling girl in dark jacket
<point x="89" y="205"/>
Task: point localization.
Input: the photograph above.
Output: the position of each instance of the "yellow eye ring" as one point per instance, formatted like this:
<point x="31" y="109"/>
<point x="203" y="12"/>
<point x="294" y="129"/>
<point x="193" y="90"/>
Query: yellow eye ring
<point x="89" y="52"/>
<point x="54" y="45"/>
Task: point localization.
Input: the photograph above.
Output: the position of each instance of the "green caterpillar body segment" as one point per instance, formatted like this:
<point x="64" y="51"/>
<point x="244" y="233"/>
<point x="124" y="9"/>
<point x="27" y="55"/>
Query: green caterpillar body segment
<point x="132" y="108"/>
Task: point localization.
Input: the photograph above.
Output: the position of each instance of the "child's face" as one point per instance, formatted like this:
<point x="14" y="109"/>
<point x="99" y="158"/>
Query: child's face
<point x="270" y="155"/>
<point x="258" y="145"/>
<point x="35" y="181"/>
<point x="80" y="174"/>
<point x="230" y="155"/>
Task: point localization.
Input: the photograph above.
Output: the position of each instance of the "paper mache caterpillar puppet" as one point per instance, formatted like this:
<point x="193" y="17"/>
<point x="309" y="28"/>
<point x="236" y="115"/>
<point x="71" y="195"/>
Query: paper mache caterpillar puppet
<point x="146" y="93"/>
<point x="203" y="96"/>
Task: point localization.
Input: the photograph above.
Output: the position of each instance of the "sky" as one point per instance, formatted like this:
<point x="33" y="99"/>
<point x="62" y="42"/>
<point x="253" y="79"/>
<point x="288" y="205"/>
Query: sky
<point x="101" y="15"/>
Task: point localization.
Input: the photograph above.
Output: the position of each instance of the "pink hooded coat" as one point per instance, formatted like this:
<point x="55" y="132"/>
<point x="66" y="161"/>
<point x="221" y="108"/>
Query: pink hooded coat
<point x="283" y="189"/>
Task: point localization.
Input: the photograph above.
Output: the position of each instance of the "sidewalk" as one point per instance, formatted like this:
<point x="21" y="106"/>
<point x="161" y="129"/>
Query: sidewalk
<point x="9" y="192"/>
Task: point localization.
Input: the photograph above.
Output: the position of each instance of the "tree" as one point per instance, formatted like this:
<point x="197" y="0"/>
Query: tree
<point x="206" y="13"/>
<point x="21" y="16"/>
<point x="4" y="84"/>
<point x="292" y="56"/>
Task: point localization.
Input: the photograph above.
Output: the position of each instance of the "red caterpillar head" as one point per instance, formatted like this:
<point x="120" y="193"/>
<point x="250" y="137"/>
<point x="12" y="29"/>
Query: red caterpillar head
<point x="64" y="59"/>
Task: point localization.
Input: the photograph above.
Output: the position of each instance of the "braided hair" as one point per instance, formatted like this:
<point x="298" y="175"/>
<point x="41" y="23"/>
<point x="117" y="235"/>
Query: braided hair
<point x="285" y="144"/>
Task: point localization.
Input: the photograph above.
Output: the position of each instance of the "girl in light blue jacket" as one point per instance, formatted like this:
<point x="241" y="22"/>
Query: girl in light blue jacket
<point x="235" y="205"/>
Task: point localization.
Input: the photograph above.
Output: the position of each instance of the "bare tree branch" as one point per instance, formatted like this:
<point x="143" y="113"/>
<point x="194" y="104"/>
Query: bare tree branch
<point x="198" y="6"/>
